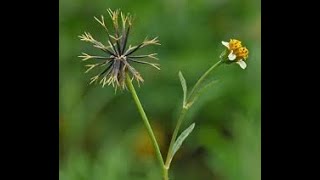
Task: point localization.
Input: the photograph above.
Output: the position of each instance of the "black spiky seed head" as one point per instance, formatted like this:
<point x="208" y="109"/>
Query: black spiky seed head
<point x="118" y="55"/>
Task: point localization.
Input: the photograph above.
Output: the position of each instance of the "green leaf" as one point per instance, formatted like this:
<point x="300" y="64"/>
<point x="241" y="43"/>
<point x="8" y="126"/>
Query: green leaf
<point x="181" y="138"/>
<point x="184" y="88"/>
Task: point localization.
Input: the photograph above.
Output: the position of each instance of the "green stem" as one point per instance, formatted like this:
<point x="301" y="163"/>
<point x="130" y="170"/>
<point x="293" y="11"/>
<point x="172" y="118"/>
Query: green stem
<point x="165" y="174"/>
<point x="198" y="83"/>
<point x="183" y="114"/>
<point x="174" y="136"/>
<point x="145" y="121"/>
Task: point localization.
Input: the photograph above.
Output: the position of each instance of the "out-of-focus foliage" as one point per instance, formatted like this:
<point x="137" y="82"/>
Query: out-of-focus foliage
<point x="101" y="134"/>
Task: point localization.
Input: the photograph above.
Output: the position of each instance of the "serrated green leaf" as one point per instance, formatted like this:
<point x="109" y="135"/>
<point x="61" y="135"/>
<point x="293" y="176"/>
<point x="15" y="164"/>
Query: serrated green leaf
<point x="184" y="87"/>
<point x="181" y="138"/>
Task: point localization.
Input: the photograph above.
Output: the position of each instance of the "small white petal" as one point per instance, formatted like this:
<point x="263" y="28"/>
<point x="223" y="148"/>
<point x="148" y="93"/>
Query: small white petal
<point x="242" y="64"/>
<point x="232" y="56"/>
<point x="226" y="44"/>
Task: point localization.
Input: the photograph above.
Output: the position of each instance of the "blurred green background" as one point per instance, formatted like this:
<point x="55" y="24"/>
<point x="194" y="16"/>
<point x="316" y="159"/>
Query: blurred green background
<point x="101" y="134"/>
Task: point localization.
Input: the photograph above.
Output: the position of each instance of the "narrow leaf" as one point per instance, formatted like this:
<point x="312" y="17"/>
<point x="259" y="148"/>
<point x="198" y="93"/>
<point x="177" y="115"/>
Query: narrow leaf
<point x="184" y="88"/>
<point x="181" y="138"/>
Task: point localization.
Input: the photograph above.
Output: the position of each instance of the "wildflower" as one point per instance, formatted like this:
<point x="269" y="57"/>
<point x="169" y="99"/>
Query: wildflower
<point x="119" y="57"/>
<point x="236" y="53"/>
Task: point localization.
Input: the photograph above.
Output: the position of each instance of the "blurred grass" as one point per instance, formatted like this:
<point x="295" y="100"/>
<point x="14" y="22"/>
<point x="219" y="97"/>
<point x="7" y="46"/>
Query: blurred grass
<point x="101" y="134"/>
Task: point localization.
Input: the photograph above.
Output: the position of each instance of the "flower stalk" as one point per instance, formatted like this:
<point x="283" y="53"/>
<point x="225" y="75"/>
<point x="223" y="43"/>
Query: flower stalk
<point x="145" y="121"/>
<point x="235" y="52"/>
<point x="183" y="113"/>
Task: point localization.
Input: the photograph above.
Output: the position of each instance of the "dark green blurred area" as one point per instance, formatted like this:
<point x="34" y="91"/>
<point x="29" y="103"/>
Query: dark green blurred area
<point x="101" y="134"/>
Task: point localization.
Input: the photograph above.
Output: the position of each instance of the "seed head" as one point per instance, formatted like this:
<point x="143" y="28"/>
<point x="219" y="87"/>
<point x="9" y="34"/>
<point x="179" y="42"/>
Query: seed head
<point x="118" y="56"/>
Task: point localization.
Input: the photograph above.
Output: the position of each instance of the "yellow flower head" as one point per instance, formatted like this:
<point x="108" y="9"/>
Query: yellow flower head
<point x="236" y="53"/>
<point x="241" y="53"/>
<point x="234" y="44"/>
